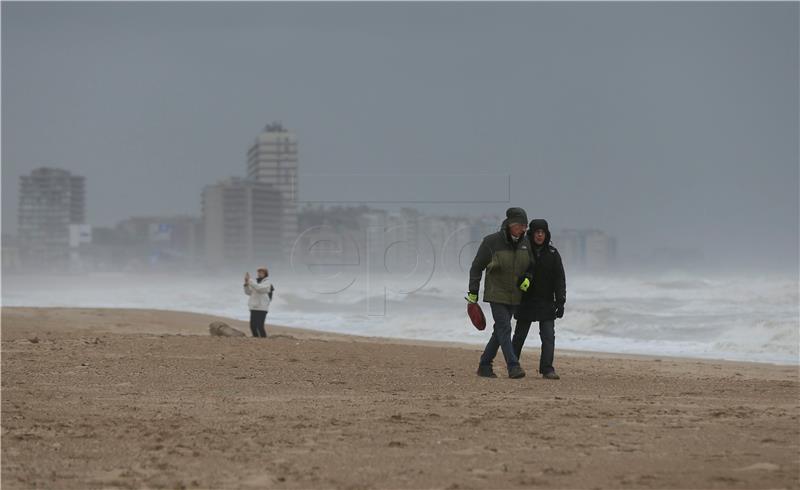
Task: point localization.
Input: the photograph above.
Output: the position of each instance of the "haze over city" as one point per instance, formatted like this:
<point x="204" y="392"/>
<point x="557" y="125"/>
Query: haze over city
<point x="664" y="125"/>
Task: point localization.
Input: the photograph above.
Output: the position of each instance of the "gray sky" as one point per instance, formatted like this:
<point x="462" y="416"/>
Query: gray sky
<point x="665" y="124"/>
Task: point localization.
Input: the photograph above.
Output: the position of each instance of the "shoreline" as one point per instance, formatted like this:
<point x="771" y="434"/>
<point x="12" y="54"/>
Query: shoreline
<point x="310" y="333"/>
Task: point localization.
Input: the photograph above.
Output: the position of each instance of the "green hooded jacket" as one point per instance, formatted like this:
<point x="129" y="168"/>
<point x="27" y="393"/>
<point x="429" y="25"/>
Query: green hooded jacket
<point x="505" y="262"/>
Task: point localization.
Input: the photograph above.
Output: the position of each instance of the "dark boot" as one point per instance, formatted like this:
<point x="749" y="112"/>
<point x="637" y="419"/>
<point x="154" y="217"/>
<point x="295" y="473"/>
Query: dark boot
<point x="485" y="371"/>
<point x="551" y="375"/>
<point x="516" y="372"/>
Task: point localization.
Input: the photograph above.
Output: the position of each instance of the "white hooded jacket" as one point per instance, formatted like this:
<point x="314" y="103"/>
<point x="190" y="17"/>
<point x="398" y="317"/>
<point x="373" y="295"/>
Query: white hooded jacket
<point x="259" y="294"/>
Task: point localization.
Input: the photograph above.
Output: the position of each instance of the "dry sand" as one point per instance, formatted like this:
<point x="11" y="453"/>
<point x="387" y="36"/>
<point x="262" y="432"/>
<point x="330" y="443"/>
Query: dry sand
<point x="96" y="398"/>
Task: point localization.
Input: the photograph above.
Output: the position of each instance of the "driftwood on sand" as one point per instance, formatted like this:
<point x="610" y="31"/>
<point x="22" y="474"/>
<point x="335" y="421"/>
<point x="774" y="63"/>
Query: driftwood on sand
<point x="221" y="329"/>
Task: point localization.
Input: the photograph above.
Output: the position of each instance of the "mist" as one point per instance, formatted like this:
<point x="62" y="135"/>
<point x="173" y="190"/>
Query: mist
<point x="667" y="126"/>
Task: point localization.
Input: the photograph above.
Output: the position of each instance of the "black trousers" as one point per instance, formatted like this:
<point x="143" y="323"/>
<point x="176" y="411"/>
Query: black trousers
<point x="257" y="319"/>
<point x="547" y="332"/>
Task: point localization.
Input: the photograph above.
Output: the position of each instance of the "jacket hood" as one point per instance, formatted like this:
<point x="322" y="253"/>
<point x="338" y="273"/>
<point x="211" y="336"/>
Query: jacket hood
<point x="539" y="224"/>
<point x="504" y="230"/>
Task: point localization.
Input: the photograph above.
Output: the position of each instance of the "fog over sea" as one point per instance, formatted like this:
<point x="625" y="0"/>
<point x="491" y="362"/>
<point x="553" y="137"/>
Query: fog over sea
<point x="746" y="318"/>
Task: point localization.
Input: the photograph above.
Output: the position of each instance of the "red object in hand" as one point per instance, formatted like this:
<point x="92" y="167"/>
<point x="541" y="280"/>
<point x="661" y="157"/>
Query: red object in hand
<point x="476" y="315"/>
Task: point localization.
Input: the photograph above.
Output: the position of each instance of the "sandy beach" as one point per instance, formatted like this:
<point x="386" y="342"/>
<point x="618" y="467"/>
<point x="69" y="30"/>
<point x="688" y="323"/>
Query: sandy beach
<point x="102" y="398"/>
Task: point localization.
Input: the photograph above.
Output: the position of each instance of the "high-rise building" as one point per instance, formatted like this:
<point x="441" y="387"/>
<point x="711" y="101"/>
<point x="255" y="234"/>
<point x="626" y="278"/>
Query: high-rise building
<point x="272" y="159"/>
<point x="242" y="223"/>
<point x="50" y="200"/>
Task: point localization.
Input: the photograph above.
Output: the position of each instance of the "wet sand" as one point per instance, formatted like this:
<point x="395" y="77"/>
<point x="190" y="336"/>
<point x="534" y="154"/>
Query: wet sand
<point x="95" y="398"/>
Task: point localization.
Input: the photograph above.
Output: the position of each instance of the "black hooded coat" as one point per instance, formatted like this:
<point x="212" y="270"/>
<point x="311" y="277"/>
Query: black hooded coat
<point x="548" y="284"/>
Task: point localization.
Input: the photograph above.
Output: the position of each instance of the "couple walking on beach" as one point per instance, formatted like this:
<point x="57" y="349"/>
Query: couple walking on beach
<point x="525" y="280"/>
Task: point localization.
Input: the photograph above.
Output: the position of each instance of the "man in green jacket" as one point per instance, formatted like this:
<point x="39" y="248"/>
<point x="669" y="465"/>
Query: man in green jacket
<point x="505" y="256"/>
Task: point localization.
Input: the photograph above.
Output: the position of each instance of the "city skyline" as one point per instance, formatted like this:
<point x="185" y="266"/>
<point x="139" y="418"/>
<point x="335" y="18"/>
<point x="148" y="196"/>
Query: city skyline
<point x="678" y="140"/>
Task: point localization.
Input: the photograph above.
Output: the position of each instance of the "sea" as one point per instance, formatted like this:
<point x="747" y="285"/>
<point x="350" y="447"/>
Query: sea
<point x="741" y="317"/>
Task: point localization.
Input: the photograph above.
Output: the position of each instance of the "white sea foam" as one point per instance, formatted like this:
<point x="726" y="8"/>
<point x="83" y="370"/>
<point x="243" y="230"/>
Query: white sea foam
<point x="737" y="318"/>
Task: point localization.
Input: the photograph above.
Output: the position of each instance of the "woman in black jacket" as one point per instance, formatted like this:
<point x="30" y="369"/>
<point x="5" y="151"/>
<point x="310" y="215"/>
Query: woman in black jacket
<point x="544" y="300"/>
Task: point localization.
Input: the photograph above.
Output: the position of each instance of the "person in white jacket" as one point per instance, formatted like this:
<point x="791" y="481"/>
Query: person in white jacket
<point x="260" y="292"/>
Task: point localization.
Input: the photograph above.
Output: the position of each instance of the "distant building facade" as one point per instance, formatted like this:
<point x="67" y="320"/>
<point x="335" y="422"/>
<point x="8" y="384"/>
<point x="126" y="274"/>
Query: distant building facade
<point x="400" y="242"/>
<point x="243" y="223"/>
<point x="592" y="250"/>
<point x="11" y="254"/>
<point x="161" y="240"/>
<point x="273" y="159"/>
<point x="50" y="201"/>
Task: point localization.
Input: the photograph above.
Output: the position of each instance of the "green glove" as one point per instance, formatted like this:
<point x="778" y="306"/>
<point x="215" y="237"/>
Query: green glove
<point x="524" y="285"/>
<point x="472" y="297"/>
